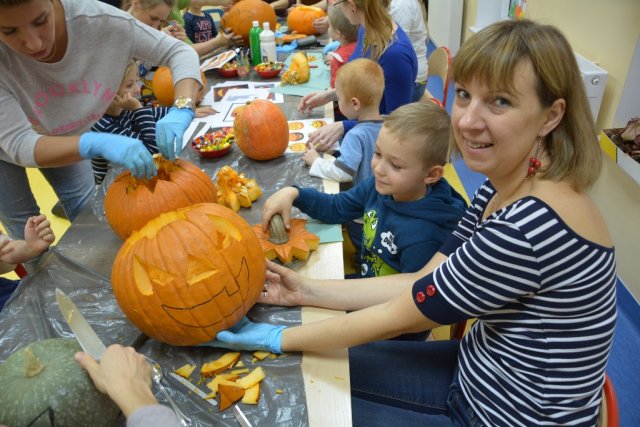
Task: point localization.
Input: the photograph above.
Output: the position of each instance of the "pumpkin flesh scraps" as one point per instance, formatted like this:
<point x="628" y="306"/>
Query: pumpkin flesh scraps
<point x="235" y="190"/>
<point x="300" y="244"/>
<point x="299" y="70"/>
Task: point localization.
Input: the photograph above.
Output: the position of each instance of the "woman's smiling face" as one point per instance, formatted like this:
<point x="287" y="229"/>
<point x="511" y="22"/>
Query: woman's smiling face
<point x="496" y="130"/>
<point x="29" y="28"/>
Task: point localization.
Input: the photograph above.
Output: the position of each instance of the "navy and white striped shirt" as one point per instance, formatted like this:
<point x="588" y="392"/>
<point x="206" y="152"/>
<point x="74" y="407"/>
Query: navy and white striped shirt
<point x="546" y="307"/>
<point x="139" y="124"/>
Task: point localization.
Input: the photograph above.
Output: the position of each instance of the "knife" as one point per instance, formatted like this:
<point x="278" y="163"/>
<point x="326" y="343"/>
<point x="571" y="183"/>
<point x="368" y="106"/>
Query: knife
<point x="241" y="417"/>
<point x="86" y="336"/>
<point x="193" y="388"/>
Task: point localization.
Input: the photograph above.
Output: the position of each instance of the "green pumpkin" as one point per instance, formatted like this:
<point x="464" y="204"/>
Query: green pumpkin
<point x="42" y="382"/>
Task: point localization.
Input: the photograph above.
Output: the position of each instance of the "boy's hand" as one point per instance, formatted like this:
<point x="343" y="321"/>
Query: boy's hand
<point x="38" y="235"/>
<point x="129" y="102"/>
<point x="281" y="203"/>
<point x="310" y="155"/>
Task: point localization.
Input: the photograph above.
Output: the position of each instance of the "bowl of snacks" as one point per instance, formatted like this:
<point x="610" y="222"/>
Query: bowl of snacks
<point x="268" y="70"/>
<point x="214" y="144"/>
<point x="228" y="69"/>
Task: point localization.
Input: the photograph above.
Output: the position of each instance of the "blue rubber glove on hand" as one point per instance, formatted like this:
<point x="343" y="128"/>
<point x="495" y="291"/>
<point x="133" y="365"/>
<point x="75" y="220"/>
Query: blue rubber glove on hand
<point x="170" y="130"/>
<point x="246" y="335"/>
<point x="331" y="47"/>
<point x="129" y="152"/>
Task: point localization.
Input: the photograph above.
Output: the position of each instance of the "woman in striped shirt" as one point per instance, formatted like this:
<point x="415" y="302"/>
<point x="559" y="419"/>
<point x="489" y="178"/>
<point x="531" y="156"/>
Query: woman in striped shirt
<point x="532" y="260"/>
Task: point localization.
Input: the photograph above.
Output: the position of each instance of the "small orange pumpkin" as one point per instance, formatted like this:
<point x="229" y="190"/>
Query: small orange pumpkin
<point x="297" y="243"/>
<point x="240" y="17"/>
<point x="261" y="130"/>
<point x="131" y="202"/>
<point x="189" y="273"/>
<point x="163" y="86"/>
<point x="300" y="19"/>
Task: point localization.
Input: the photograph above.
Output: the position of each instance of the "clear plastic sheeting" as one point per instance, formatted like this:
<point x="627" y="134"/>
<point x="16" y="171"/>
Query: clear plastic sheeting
<point x="80" y="264"/>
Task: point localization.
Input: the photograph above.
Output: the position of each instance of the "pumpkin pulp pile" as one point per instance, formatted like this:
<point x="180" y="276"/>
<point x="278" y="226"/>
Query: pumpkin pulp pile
<point x="130" y="202"/>
<point x="235" y="190"/>
<point x="299" y="71"/>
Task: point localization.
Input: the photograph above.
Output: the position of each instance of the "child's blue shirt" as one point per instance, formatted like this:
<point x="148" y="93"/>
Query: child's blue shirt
<point x="398" y="237"/>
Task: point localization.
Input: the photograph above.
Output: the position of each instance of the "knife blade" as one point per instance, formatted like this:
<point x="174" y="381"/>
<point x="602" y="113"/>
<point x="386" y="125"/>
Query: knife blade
<point x="192" y="388"/>
<point x="241" y="417"/>
<point x="86" y="336"/>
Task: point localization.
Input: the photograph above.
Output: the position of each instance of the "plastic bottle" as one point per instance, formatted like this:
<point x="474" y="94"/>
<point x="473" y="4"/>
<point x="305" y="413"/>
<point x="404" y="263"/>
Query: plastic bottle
<point x="267" y="44"/>
<point x="254" y="43"/>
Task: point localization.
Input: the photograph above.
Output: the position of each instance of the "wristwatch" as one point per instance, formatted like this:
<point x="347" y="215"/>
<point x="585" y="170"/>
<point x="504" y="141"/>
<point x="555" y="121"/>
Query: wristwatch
<point x="184" y="102"/>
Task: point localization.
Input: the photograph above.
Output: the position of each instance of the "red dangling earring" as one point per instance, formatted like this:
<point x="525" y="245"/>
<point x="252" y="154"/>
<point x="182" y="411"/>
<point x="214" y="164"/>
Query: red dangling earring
<point x="534" y="163"/>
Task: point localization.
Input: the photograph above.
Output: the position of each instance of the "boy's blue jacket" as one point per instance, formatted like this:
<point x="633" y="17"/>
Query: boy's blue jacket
<point x="398" y="237"/>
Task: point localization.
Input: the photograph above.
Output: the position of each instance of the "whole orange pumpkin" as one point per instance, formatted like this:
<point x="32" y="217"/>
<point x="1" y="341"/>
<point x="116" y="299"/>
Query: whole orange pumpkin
<point x="300" y="19"/>
<point x="189" y="273"/>
<point x="130" y="202"/>
<point x="240" y="17"/>
<point x="163" y="86"/>
<point x="261" y="130"/>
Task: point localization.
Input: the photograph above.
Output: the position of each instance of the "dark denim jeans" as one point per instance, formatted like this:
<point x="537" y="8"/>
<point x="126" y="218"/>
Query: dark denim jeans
<point x="408" y="383"/>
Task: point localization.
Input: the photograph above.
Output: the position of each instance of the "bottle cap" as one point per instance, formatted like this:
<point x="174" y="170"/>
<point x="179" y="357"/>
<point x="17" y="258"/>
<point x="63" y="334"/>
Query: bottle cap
<point x="265" y="25"/>
<point x="255" y="23"/>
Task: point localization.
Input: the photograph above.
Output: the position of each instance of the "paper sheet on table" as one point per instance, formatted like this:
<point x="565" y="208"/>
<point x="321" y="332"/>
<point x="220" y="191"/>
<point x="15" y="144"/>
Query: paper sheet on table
<point x="245" y="95"/>
<point x="219" y="91"/>
<point x="217" y="61"/>
<point x="319" y="80"/>
<point x="327" y="233"/>
<point x="299" y="131"/>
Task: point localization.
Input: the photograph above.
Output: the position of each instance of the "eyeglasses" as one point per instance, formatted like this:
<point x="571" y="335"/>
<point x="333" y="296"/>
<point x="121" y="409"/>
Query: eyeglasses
<point x="338" y="2"/>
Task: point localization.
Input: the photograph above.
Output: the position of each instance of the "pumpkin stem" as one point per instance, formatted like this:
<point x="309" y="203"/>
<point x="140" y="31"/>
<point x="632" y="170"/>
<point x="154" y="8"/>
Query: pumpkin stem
<point x="277" y="232"/>
<point x="32" y="365"/>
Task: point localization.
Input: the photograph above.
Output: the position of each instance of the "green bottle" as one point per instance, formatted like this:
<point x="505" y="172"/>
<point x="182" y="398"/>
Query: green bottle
<point x="254" y="43"/>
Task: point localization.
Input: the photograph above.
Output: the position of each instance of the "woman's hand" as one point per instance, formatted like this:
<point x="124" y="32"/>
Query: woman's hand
<point x="315" y="99"/>
<point x="123" y="374"/>
<point x="281" y="203"/>
<point x="283" y="287"/>
<point x="205" y="111"/>
<point x="321" y="25"/>
<point x="176" y="30"/>
<point x="324" y="138"/>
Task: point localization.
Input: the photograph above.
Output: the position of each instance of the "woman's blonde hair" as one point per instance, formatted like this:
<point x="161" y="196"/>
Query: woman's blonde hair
<point x="491" y="56"/>
<point x="426" y="123"/>
<point x="378" y="27"/>
<point x="363" y="79"/>
<point x="147" y="4"/>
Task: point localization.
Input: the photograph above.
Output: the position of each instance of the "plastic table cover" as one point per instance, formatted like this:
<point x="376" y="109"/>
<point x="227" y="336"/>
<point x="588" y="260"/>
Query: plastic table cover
<point x="80" y="264"/>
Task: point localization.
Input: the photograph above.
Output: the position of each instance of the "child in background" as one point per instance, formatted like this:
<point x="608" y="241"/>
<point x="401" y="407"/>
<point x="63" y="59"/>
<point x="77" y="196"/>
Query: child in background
<point x="38" y="236"/>
<point x="198" y="25"/>
<point x="359" y="89"/>
<point x="345" y="33"/>
<point x="127" y="116"/>
<point x="409" y="208"/>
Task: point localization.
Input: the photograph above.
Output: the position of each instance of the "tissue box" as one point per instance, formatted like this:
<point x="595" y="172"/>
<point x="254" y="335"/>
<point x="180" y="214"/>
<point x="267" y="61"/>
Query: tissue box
<point x="624" y="161"/>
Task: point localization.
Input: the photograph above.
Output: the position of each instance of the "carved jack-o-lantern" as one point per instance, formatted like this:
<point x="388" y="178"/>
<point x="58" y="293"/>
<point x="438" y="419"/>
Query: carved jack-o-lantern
<point x="189" y="273"/>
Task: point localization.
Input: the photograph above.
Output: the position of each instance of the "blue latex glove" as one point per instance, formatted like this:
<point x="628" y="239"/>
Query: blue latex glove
<point x="331" y="47"/>
<point x="170" y="130"/>
<point x="129" y="152"/>
<point x="246" y="335"/>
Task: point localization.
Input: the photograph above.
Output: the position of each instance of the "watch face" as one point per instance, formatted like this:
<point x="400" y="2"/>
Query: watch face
<point x="183" y="102"/>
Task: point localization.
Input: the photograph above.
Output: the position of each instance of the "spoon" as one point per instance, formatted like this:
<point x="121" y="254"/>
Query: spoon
<point x="156" y="375"/>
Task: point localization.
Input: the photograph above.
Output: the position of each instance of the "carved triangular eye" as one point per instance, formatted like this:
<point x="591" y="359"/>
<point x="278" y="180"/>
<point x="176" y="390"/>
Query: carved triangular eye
<point x="146" y="275"/>
<point x="199" y="269"/>
<point x="224" y="231"/>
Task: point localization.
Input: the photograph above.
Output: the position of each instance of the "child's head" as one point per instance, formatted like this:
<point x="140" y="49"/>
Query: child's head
<point x="130" y="84"/>
<point x="340" y="28"/>
<point x="150" y="12"/>
<point x="196" y="5"/>
<point x="359" y="85"/>
<point x="411" y="150"/>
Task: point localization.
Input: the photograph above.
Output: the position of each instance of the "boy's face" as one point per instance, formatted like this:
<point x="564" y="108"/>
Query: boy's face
<point x="129" y="83"/>
<point x="398" y="167"/>
<point x="344" y="103"/>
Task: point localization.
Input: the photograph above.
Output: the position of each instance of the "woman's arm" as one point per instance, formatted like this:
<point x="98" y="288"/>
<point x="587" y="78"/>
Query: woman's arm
<point x="286" y="287"/>
<point x="54" y="151"/>
<point x="386" y="320"/>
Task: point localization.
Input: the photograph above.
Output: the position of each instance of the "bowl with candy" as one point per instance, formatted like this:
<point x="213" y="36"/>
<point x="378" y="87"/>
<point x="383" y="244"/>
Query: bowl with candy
<point x="268" y="70"/>
<point x="229" y="69"/>
<point x="215" y="143"/>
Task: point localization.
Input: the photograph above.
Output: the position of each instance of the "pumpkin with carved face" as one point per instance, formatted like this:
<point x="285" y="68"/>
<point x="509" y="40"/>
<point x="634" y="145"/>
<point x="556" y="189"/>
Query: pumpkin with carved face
<point x="189" y="273"/>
